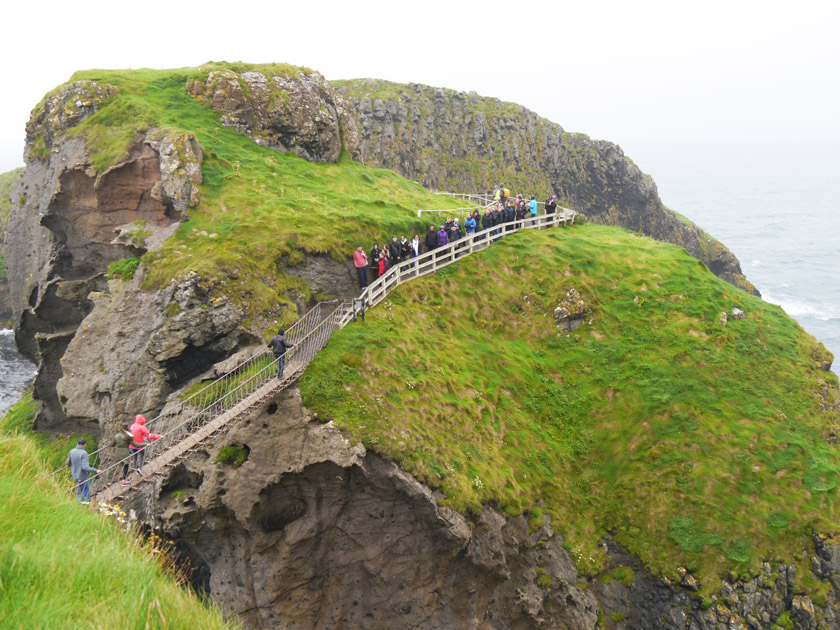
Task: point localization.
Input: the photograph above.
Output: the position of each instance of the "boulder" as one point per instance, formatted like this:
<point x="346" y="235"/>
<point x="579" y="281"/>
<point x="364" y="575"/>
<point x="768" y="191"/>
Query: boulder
<point x="572" y="312"/>
<point x="737" y="314"/>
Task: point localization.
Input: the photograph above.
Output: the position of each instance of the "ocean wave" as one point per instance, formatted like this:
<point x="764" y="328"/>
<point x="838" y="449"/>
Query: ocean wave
<point x="795" y="308"/>
<point x="6" y="332"/>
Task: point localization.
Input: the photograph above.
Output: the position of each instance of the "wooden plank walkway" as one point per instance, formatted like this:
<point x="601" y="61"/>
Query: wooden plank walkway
<point x="175" y="453"/>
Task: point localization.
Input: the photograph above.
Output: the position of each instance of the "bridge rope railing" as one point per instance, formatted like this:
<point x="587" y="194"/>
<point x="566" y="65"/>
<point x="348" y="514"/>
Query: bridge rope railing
<point x="309" y="334"/>
<point x="200" y="398"/>
<point x="310" y="337"/>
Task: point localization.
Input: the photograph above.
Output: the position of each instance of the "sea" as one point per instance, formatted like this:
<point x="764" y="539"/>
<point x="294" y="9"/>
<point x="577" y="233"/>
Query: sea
<point x="776" y="206"/>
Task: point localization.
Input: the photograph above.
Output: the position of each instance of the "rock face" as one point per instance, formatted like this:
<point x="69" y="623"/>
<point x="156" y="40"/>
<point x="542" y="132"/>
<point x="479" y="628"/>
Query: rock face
<point x="463" y="142"/>
<point x="65" y="219"/>
<point x="300" y="112"/>
<point x="312" y="531"/>
<point x="136" y="347"/>
<point x="7" y="183"/>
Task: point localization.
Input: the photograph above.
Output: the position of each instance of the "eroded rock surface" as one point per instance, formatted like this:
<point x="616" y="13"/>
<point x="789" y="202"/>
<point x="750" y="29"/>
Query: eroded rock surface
<point x="65" y="226"/>
<point x="297" y="112"/>
<point x="135" y="348"/>
<point x="313" y="531"/>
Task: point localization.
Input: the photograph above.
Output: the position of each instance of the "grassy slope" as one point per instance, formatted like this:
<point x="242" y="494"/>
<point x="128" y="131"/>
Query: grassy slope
<point x="65" y="566"/>
<point x="265" y="209"/>
<point x="696" y="444"/>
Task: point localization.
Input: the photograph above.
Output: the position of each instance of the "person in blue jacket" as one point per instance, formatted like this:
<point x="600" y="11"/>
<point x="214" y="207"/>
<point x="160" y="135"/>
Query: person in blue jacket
<point x="79" y="463"/>
<point x="469" y="225"/>
<point x="532" y="206"/>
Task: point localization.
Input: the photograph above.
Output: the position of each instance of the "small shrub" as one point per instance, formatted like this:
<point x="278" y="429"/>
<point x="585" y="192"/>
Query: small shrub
<point x="617" y="616"/>
<point x="236" y="455"/>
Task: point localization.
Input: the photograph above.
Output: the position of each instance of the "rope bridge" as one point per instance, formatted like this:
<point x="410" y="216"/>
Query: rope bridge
<point x="186" y="425"/>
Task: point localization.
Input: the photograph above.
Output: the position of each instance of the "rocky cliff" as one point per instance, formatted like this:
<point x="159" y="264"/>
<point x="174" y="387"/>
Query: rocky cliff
<point x="7" y="183"/>
<point x="70" y="222"/>
<point x="315" y="531"/>
<point x="456" y="141"/>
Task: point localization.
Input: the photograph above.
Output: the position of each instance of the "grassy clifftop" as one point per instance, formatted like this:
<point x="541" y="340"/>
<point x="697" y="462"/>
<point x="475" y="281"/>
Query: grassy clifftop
<point x="65" y="566"/>
<point x="261" y="211"/>
<point x="694" y="443"/>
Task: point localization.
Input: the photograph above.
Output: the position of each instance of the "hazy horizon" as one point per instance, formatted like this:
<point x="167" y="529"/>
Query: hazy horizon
<point x="633" y="74"/>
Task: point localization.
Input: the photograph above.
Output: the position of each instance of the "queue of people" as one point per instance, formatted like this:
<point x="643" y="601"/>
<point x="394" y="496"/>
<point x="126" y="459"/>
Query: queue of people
<point x="498" y="217"/>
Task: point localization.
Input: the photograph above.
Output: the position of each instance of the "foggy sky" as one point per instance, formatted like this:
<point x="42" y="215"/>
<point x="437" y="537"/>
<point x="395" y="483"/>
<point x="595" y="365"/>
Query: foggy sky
<point x="636" y="73"/>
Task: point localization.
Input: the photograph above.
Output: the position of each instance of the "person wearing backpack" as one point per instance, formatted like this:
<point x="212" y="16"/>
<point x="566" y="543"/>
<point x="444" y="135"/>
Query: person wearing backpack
<point x="278" y="345"/>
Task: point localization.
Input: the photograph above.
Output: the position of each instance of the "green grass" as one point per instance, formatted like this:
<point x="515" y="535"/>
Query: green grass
<point x="123" y="269"/>
<point x="228" y="388"/>
<point x="66" y="566"/>
<point x="696" y="445"/>
<point x="260" y="209"/>
<point x="53" y="447"/>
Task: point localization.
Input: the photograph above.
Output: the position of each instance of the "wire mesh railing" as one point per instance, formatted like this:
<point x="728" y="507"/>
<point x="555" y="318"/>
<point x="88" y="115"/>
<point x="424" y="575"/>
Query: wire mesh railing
<point x="204" y="392"/>
<point x="309" y="334"/>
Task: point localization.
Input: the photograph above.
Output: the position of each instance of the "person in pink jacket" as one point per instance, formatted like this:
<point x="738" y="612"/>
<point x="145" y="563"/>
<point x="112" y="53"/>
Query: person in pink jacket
<point x="140" y="434"/>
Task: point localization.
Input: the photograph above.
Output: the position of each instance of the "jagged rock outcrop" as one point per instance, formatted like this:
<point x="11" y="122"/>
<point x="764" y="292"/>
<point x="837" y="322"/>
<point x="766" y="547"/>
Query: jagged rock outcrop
<point x="65" y="218"/>
<point x="296" y="111"/>
<point x="136" y="347"/>
<point x="457" y="141"/>
<point x="315" y="531"/>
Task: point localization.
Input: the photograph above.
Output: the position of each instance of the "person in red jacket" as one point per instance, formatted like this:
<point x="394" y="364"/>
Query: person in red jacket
<point x="140" y="433"/>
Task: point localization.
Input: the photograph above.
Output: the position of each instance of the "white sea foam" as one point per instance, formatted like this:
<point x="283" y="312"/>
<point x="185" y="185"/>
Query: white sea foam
<point x="6" y="332"/>
<point x="796" y="308"/>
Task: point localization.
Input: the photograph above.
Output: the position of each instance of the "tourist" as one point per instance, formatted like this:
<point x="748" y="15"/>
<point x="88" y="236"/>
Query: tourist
<point x="551" y="204"/>
<point x="121" y="442"/>
<point x="510" y="215"/>
<point x="416" y="247"/>
<point x="140" y="434"/>
<point x="431" y="238"/>
<point x="78" y="461"/>
<point x="487" y="220"/>
<point x="469" y="225"/>
<point x="278" y="345"/>
<point x="383" y="263"/>
<point x="443" y="237"/>
<point x="405" y="249"/>
<point x="394" y="250"/>
<point x="375" y="254"/>
<point x="497" y="194"/>
<point x="454" y="232"/>
<point x="532" y="206"/>
<point x="360" y="261"/>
